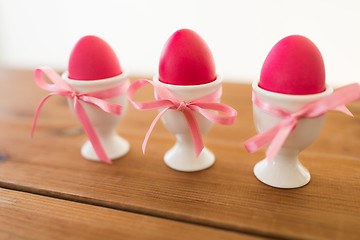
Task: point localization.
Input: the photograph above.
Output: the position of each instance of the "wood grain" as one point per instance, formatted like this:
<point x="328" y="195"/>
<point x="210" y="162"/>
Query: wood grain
<point x="225" y="196"/>
<point x="29" y="216"/>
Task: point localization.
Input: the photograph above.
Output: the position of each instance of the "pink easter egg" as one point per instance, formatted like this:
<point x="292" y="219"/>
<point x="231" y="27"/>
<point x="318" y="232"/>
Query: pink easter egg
<point x="186" y="60"/>
<point x="93" y="59"/>
<point x="293" y="66"/>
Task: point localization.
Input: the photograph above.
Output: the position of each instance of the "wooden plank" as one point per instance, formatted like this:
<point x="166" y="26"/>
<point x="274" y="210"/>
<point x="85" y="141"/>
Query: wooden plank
<point x="226" y="196"/>
<point x="29" y="216"/>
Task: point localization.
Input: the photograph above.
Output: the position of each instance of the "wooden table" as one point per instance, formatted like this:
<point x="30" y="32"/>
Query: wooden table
<point x="48" y="191"/>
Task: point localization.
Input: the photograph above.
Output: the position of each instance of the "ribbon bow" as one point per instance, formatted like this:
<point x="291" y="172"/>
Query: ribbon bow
<point x="60" y="87"/>
<point x="277" y="135"/>
<point x="168" y="101"/>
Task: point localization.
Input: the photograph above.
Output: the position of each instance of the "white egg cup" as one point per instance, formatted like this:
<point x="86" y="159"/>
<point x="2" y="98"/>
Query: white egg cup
<point x="182" y="156"/>
<point x="285" y="169"/>
<point x="104" y="123"/>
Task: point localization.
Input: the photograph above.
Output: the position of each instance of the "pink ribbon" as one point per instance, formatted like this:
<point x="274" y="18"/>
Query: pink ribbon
<point x="277" y="135"/>
<point x="60" y="87"/>
<point x="168" y="101"/>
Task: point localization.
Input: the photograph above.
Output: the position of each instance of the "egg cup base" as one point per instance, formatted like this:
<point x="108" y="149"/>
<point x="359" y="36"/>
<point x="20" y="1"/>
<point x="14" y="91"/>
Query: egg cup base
<point x="184" y="159"/>
<point x="115" y="147"/>
<point x="286" y="174"/>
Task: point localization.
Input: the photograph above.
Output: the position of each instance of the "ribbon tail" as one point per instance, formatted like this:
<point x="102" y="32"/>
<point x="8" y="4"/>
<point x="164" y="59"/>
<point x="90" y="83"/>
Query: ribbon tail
<point x="334" y="101"/>
<point x="37" y="112"/>
<point x="90" y="131"/>
<point x="147" y="136"/>
<point x="261" y="140"/>
<point x="345" y="110"/>
<point x="195" y="131"/>
<point x="279" y="139"/>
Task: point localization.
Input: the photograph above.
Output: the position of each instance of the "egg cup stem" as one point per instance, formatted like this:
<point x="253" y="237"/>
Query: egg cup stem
<point x="182" y="156"/>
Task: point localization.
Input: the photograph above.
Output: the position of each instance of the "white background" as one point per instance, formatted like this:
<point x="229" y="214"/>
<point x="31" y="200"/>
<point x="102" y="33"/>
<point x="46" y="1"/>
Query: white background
<point x="239" y="33"/>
